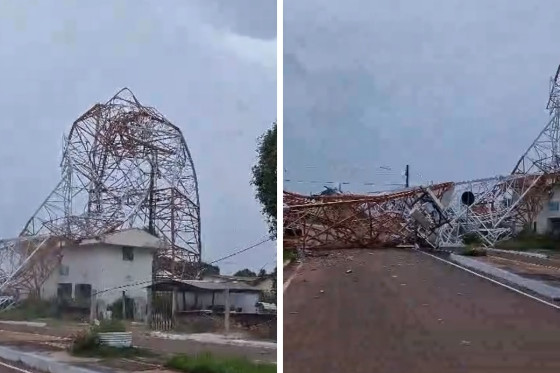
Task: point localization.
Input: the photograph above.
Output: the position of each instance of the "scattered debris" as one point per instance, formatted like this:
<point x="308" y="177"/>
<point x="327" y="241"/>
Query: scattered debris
<point x="466" y="343"/>
<point x="349" y="271"/>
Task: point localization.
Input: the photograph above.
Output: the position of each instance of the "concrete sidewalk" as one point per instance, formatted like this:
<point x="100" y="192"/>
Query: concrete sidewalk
<point x="538" y="287"/>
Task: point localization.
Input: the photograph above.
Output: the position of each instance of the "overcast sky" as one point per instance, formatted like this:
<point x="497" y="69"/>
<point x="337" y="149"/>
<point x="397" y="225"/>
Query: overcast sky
<point x="209" y="66"/>
<point x="457" y="89"/>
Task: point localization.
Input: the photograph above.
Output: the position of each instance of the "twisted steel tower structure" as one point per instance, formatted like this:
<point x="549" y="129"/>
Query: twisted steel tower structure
<point x="124" y="166"/>
<point x="493" y="208"/>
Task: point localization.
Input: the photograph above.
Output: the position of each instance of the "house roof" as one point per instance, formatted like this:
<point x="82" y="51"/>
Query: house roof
<point x="226" y="278"/>
<point x="204" y="286"/>
<point x="133" y="237"/>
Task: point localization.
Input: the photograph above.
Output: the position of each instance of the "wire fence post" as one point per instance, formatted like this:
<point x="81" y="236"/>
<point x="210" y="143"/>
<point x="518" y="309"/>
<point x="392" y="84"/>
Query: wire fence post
<point x="174" y="306"/>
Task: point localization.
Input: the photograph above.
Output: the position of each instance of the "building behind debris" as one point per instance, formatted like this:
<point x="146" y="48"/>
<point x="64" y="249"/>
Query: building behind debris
<point x="104" y="266"/>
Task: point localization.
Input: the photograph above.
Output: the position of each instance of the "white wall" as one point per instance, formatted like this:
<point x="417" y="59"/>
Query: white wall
<point x="545" y="213"/>
<point x="102" y="266"/>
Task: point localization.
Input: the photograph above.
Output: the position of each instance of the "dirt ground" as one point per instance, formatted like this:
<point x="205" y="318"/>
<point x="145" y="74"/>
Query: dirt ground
<point x="52" y="338"/>
<point x="402" y="311"/>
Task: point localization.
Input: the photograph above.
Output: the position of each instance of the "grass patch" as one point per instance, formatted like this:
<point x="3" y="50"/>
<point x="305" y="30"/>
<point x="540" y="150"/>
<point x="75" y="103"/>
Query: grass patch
<point x="208" y="363"/>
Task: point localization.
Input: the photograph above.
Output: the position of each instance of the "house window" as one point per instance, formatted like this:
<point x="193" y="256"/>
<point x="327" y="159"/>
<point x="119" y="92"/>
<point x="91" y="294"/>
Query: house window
<point x="64" y="291"/>
<point x="128" y="253"/>
<point x="63" y="270"/>
<point x="83" y="293"/>
<point x="553" y="206"/>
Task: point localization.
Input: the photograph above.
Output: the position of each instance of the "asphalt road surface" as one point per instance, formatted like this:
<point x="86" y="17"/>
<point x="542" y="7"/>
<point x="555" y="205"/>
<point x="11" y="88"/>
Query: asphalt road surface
<point x="403" y="311"/>
<point x="11" y="367"/>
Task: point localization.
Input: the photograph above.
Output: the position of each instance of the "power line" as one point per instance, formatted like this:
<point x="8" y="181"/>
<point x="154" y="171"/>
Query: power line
<point x="241" y="251"/>
<point x="339" y="182"/>
<point x="215" y="261"/>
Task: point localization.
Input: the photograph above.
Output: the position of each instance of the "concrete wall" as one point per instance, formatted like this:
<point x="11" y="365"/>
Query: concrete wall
<point x="102" y="266"/>
<point x="254" y="325"/>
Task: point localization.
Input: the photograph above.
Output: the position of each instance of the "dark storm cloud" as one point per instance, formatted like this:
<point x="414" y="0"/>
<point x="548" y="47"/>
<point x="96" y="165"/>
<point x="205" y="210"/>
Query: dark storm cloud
<point x="455" y="89"/>
<point x="58" y="58"/>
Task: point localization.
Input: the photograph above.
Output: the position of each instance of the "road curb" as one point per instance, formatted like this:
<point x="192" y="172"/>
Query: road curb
<point x="520" y="253"/>
<point x="39" y="362"/>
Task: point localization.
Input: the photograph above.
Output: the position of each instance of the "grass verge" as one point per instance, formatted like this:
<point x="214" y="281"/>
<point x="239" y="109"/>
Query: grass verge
<point x="208" y="363"/>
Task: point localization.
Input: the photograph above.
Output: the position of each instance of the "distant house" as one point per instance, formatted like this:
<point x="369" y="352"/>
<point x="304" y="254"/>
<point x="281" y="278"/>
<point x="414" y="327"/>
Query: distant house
<point x="105" y="265"/>
<point x="263" y="283"/>
<point x="200" y="295"/>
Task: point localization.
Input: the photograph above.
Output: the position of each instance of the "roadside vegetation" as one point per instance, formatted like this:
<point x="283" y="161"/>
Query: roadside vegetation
<point x="86" y="342"/>
<point x="473" y="245"/>
<point x="290" y="255"/>
<point x="528" y="240"/>
<point x="525" y="240"/>
<point x="29" y="310"/>
<point x="208" y="363"/>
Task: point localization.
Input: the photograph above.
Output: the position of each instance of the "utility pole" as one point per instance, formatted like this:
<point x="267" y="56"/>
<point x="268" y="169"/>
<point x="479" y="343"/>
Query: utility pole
<point x="406" y="174"/>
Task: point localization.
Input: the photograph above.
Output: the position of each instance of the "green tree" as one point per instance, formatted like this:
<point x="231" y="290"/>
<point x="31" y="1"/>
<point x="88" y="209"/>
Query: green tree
<point x="245" y="273"/>
<point x="264" y="177"/>
<point x="262" y="273"/>
<point x="209" y="269"/>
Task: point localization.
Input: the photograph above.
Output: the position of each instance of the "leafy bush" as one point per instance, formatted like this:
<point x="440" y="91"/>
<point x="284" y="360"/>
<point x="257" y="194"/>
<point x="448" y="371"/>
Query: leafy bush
<point x="471" y="251"/>
<point x="110" y="326"/>
<point x="208" y="363"/>
<point x="472" y="239"/>
<point x="84" y="341"/>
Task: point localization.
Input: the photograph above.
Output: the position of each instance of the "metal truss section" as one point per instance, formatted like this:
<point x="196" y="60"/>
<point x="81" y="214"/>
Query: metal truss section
<point x="124" y="166"/>
<point x="505" y="205"/>
<point x="345" y="221"/>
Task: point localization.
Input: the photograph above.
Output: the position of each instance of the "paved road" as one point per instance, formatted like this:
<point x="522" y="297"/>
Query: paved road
<point x="11" y="367"/>
<point x="402" y="311"/>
